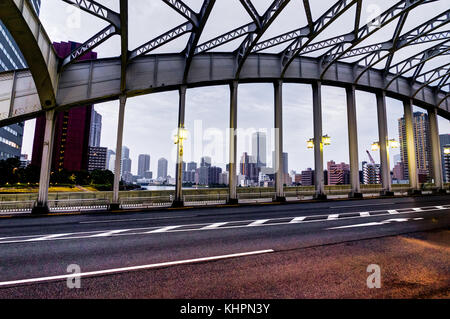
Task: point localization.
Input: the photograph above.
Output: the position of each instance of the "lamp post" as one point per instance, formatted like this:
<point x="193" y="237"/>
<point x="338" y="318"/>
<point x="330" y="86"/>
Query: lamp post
<point x="326" y="140"/>
<point x="319" y="180"/>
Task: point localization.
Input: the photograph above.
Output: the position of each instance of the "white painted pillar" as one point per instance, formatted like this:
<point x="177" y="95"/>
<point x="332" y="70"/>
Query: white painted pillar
<point x="353" y="142"/>
<point x="383" y="140"/>
<point x="318" y="141"/>
<point x="279" y="164"/>
<point x="410" y="146"/>
<point x="233" y="198"/>
<point x="115" y="201"/>
<point x="178" y="202"/>
<point x="41" y="206"/>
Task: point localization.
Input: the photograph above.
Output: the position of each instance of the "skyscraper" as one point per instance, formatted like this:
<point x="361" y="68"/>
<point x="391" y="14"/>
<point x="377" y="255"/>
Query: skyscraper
<point x="421" y="142"/>
<point x="97" y="158"/>
<point x="143" y="164"/>
<point x="249" y="168"/>
<point x="72" y="128"/>
<point x="162" y="168"/>
<point x="338" y="174"/>
<point x="371" y="173"/>
<point x="285" y="162"/>
<point x="11" y="58"/>
<point x="96" y="129"/>
<point x="259" y="149"/>
<point x="444" y="139"/>
<point x="126" y="162"/>
<point x="110" y="160"/>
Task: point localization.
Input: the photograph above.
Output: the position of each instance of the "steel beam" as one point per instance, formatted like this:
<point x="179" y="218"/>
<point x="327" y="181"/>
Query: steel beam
<point x="233" y="198"/>
<point x="436" y="169"/>
<point x="115" y="204"/>
<point x="41" y="206"/>
<point x="318" y="141"/>
<point x="178" y="202"/>
<point x="97" y="10"/>
<point x="353" y="142"/>
<point x="384" y="143"/>
<point x="183" y="9"/>
<point x="279" y="164"/>
<point x="411" y="146"/>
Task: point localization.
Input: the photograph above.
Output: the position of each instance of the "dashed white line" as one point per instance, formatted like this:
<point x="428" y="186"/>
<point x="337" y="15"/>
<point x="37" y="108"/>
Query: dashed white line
<point x="110" y="233"/>
<point x="162" y="230"/>
<point x="393" y="212"/>
<point x="417" y="209"/>
<point x="364" y="214"/>
<point x="333" y="217"/>
<point x="213" y="226"/>
<point x="297" y="220"/>
<point x="48" y="237"/>
<point x="258" y="222"/>
<point x="126" y="269"/>
<point x="440" y="207"/>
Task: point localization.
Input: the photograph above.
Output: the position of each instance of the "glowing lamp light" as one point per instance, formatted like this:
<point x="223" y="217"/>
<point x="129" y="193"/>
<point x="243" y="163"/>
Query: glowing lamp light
<point x="447" y="150"/>
<point x="181" y="136"/>
<point x="375" y="146"/>
<point x="394" y="144"/>
<point x="326" y="140"/>
<point x="310" y="144"/>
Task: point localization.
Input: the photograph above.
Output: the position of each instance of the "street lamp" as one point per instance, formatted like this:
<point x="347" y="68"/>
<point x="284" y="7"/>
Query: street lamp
<point x="326" y="140"/>
<point x="391" y="143"/>
<point x="446" y="150"/>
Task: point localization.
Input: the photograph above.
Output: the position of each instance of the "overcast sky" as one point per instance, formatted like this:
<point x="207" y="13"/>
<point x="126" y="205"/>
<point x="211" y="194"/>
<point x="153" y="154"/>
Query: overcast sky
<point x="151" y="120"/>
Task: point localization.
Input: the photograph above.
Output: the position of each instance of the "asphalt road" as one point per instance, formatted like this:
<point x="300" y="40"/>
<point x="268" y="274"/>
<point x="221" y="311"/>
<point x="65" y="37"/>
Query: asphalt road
<point x="233" y="252"/>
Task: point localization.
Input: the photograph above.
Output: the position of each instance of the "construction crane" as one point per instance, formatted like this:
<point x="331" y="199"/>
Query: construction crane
<point x="370" y="157"/>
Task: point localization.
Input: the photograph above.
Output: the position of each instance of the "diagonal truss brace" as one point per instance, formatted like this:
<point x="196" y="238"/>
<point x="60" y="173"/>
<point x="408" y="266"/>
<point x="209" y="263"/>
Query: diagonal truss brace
<point x="366" y="31"/>
<point x="441" y="74"/>
<point x="184" y="10"/>
<point x="90" y="44"/>
<point x="162" y="40"/>
<point x="97" y="10"/>
<point x="417" y="62"/>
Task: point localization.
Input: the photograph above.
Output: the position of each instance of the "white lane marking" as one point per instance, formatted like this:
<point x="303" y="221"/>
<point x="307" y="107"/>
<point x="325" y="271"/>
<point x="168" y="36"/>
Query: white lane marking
<point x="333" y="217"/>
<point x="110" y="233"/>
<point x="440" y="207"/>
<point x="364" y="214"/>
<point x="162" y="230"/>
<point x="125" y="269"/>
<point x="387" y="221"/>
<point x="258" y="223"/>
<point x="213" y="226"/>
<point x="297" y="220"/>
<point x="127" y="220"/>
<point x="393" y="212"/>
<point x="48" y="237"/>
<point x="417" y="209"/>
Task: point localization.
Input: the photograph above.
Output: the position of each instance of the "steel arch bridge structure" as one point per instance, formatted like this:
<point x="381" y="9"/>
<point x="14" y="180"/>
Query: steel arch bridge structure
<point x="51" y="84"/>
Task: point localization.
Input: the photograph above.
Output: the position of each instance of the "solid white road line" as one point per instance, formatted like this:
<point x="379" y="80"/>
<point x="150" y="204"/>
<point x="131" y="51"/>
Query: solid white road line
<point x="440" y="207"/>
<point x="110" y="233"/>
<point x="47" y="237"/>
<point x="333" y="217"/>
<point x="393" y="212"/>
<point x="297" y="220"/>
<point x="125" y="269"/>
<point x="417" y="209"/>
<point x="213" y="226"/>
<point x="128" y="220"/>
<point x="258" y="223"/>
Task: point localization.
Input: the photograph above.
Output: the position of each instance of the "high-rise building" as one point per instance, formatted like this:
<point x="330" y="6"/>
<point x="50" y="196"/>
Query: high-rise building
<point x="96" y="129"/>
<point x="205" y="161"/>
<point x="285" y="162"/>
<point x="125" y="168"/>
<point x="162" y="168"/>
<point x="72" y="128"/>
<point x="110" y="160"/>
<point x="371" y="173"/>
<point x="192" y="166"/>
<point x="444" y="139"/>
<point x="338" y="174"/>
<point x="399" y="171"/>
<point x="421" y="142"/>
<point x="308" y="177"/>
<point x="259" y="149"/>
<point x="249" y="168"/>
<point x="11" y="136"/>
<point x="143" y="164"/>
<point x="97" y="158"/>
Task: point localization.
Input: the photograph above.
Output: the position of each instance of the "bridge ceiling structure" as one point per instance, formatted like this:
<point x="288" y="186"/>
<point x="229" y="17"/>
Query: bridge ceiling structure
<point x="411" y="62"/>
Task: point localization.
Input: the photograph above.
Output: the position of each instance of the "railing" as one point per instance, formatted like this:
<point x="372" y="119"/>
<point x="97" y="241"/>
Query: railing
<point x="146" y="202"/>
<point x="16" y="206"/>
<point x="78" y="204"/>
<point x="205" y="199"/>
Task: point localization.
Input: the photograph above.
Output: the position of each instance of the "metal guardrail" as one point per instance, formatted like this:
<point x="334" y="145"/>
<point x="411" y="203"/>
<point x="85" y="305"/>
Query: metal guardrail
<point x="16" y="207"/>
<point x="146" y="202"/>
<point x="78" y="204"/>
<point x="213" y="199"/>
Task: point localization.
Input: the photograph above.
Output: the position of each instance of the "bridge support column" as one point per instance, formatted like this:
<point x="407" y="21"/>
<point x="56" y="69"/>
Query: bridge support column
<point x="384" y="147"/>
<point x="279" y="163"/>
<point x="233" y="198"/>
<point x="178" y="202"/>
<point x="41" y="206"/>
<point x="353" y="143"/>
<point x="318" y="142"/>
<point x="115" y="204"/>
<point x="411" y="148"/>
<point x="436" y="151"/>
